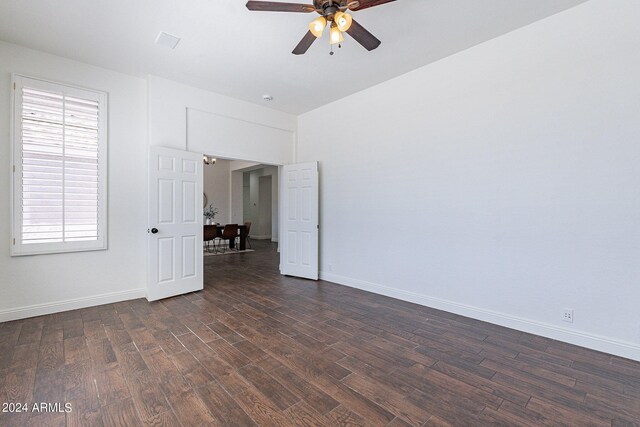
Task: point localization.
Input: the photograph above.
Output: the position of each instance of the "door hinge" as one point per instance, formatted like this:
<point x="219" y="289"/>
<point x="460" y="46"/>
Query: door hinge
<point x="14" y="241"/>
<point x="14" y="85"/>
<point x="14" y="168"/>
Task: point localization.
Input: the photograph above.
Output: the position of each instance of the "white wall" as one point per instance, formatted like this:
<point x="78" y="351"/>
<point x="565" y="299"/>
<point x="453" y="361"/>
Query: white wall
<point x="275" y="204"/>
<point x="217" y="187"/>
<point x="264" y="206"/>
<point x="237" y="165"/>
<point x="192" y="119"/>
<point x="237" y="197"/>
<point x="508" y="174"/>
<point x="33" y="285"/>
<point x="250" y="199"/>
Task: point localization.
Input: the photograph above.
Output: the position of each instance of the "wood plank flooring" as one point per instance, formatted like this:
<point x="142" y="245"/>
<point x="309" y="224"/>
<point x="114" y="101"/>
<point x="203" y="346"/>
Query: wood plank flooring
<point x="256" y="348"/>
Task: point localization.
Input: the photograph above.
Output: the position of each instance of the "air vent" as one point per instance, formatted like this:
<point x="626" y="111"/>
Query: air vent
<point x="168" y="40"/>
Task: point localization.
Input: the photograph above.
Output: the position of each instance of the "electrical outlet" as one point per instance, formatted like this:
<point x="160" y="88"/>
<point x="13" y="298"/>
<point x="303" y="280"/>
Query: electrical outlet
<point x="567" y="315"/>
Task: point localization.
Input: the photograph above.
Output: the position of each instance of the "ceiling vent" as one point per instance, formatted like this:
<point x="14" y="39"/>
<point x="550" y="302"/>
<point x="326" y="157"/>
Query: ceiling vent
<point x="168" y="40"/>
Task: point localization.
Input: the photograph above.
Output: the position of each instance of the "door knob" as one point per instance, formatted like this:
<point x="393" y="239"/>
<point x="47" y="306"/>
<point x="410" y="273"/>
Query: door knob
<point x="154" y="230"/>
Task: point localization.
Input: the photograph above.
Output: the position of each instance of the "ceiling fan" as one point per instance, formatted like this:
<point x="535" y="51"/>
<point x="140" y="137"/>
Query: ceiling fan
<point x="332" y="13"/>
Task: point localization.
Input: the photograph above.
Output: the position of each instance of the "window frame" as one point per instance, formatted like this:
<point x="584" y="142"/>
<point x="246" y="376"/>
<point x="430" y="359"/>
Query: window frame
<point x="18" y="81"/>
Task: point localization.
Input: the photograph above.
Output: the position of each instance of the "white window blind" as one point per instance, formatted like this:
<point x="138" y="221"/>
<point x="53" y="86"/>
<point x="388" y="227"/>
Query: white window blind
<point x="60" y="168"/>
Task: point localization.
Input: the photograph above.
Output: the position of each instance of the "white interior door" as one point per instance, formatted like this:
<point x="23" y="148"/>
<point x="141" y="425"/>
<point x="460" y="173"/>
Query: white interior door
<point x="175" y="223"/>
<point x="299" y="250"/>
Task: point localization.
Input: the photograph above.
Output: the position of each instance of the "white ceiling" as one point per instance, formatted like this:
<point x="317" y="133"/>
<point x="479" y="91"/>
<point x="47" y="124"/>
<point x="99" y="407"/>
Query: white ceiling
<point x="229" y="50"/>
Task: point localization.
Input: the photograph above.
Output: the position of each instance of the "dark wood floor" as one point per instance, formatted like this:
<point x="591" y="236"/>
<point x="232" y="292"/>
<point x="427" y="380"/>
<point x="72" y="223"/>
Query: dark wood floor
<point x="255" y="348"/>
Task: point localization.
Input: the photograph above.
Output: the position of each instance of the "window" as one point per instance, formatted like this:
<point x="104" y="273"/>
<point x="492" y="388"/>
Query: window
<point x="59" y="159"/>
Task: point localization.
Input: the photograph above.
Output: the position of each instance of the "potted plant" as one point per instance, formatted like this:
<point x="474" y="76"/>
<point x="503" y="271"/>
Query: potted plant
<point x="210" y="213"/>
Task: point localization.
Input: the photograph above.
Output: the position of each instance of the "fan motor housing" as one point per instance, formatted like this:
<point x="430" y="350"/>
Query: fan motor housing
<point x="321" y="4"/>
<point x="328" y="7"/>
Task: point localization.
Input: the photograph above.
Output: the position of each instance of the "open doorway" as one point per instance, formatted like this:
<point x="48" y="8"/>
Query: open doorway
<point x="176" y="227"/>
<point x="231" y="131"/>
<point x="244" y="193"/>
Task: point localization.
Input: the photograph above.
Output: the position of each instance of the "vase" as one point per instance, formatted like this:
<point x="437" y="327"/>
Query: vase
<point x="208" y="221"/>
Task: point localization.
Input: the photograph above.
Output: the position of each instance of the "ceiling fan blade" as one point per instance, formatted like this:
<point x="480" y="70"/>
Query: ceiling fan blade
<point x="365" y="4"/>
<point x="273" y="6"/>
<point x="304" y="44"/>
<point x="362" y="36"/>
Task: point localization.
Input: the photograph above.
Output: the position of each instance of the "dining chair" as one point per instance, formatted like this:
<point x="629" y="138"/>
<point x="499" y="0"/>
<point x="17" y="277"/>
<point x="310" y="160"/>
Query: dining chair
<point x="209" y="237"/>
<point x="229" y="232"/>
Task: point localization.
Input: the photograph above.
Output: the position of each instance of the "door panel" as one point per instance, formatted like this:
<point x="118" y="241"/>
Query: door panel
<point x="166" y="201"/>
<point x="189" y="249"/>
<point x="175" y="198"/>
<point x="166" y="267"/>
<point x="189" y="208"/>
<point x="300" y="250"/>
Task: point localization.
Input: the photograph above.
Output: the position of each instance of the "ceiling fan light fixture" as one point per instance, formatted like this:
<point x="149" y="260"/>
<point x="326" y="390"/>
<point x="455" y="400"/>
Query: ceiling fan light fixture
<point x="343" y="21"/>
<point x="333" y="14"/>
<point x="336" y="35"/>
<point x="317" y="26"/>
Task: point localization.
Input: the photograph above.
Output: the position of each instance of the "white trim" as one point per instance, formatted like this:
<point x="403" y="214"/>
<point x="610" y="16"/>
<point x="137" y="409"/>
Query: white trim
<point x="225" y="116"/>
<point x="580" y="338"/>
<point x="71" y="304"/>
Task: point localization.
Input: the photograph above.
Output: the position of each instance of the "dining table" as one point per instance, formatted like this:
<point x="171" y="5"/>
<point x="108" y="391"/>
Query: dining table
<point x="242" y="234"/>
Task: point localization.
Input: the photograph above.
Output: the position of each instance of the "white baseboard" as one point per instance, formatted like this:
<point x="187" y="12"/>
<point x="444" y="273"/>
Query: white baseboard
<point x="583" y="339"/>
<point x="71" y="304"/>
<point x="261" y="237"/>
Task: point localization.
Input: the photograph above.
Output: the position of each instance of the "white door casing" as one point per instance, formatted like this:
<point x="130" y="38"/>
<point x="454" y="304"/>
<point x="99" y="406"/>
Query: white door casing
<point x="175" y="223"/>
<point x="299" y="249"/>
